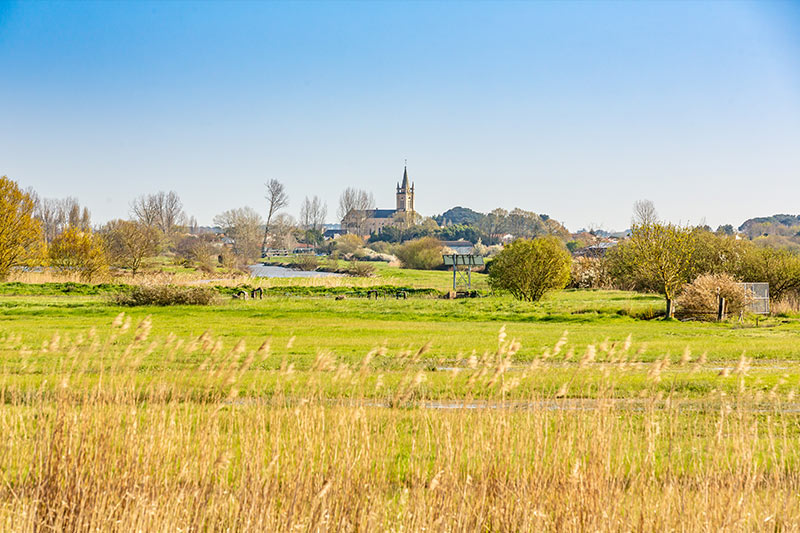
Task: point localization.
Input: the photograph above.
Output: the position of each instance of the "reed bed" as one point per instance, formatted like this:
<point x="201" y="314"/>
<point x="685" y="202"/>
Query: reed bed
<point x="198" y="278"/>
<point x="241" y="438"/>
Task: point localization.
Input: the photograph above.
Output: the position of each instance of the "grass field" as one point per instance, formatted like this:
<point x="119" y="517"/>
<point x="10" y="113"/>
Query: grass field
<point x="577" y="413"/>
<point x="451" y="330"/>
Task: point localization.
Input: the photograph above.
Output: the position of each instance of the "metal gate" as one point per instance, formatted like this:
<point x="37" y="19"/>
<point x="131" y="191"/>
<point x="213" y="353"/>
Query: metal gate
<point x="756" y="297"/>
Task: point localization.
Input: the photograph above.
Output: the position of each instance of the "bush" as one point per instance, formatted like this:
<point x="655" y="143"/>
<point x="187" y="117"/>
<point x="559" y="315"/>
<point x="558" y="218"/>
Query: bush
<point x="590" y="273"/>
<point x="307" y="262"/>
<point x="361" y="269"/>
<point x="420" y="254"/>
<point x="348" y="244"/>
<point x="164" y="295"/>
<point x="699" y="298"/>
<point x="366" y="254"/>
<point x="382" y="247"/>
<point x="529" y="269"/>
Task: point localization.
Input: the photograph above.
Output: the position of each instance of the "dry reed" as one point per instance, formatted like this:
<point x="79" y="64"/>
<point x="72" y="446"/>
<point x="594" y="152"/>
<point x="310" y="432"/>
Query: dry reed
<point x="95" y="446"/>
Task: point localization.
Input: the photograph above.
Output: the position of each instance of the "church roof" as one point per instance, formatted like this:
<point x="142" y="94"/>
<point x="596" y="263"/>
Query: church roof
<point x="383" y="213"/>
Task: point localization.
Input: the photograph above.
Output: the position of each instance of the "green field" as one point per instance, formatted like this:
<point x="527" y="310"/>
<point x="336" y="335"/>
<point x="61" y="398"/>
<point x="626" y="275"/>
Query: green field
<point x="304" y="412"/>
<point x="300" y="328"/>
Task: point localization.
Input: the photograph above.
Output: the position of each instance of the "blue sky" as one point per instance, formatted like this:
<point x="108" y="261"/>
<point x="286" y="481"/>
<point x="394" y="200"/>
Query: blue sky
<point x="573" y="109"/>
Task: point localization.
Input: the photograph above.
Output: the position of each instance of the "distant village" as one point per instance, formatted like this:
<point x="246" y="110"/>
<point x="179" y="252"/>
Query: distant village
<point x="459" y="229"/>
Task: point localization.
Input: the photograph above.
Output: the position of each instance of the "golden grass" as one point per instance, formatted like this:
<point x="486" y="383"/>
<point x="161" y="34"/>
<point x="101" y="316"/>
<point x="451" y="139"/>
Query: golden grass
<point x="232" y="279"/>
<point x="92" y="446"/>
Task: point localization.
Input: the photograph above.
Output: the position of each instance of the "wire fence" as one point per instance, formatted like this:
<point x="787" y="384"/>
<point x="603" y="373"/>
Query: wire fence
<point x="756" y="297"/>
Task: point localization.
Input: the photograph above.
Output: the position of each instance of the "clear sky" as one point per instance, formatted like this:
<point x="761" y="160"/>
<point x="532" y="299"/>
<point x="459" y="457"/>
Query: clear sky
<point x="573" y="109"/>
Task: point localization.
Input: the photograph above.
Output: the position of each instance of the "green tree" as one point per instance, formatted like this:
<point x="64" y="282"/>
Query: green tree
<point x="20" y="232"/>
<point x="79" y="252"/>
<point x="528" y="269"/>
<point x="779" y="268"/>
<point x="657" y="257"/>
<point x="717" y="253"/>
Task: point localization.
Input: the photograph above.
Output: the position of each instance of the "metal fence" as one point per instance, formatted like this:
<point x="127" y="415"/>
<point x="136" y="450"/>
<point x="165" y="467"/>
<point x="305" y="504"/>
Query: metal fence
<point x="756" y="297"/>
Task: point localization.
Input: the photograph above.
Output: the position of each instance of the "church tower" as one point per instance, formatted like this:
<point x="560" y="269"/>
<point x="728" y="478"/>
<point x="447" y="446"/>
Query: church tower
<point x="405" y="194"/>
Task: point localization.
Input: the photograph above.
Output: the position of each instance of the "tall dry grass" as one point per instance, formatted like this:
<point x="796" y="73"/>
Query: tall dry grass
<point x="94" y="444"/>
<point x="232" y="279"/>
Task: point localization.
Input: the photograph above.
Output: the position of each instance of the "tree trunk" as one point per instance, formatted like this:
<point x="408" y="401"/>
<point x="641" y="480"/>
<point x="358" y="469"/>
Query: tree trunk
<point x="670" y="308"/>
<point x="266" y="237"/>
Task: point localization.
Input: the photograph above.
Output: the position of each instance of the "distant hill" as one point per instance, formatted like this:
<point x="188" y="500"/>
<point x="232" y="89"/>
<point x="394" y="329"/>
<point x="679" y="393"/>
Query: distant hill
<point x="778" y="220"/>
<point x="459" y="215"/>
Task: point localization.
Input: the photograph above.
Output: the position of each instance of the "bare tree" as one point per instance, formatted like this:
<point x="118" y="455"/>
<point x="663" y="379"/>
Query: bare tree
<point x="277" y="199"/>
<point x="129" y="243"/>
<point x="357" y="199"/>
<point x="244" y="227"/>
<point x="145" y="210"/>
<point x="355" y="206"/>
<point x="57" y="214"/>
<point x="313" y="213"/>
<point x="644" y="213"/>
<point x="170" y="212"/>
<point x="161" y="210"/>
<point x="283" y="231"/>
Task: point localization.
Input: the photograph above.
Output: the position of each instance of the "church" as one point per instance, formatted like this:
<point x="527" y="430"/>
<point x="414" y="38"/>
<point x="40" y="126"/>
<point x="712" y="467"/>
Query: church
<point x="365" y="222"/>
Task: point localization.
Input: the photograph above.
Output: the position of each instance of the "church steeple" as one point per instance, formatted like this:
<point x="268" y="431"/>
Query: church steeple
<point x="405" y="193"/>
<point x="405" y="178"/>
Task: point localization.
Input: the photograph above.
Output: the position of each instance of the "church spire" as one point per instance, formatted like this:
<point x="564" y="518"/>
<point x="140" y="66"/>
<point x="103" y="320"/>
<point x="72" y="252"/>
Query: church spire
<point x="404" y="186"/>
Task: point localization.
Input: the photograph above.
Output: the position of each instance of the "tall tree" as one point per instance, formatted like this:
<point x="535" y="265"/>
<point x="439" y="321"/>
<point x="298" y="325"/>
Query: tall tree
<point x="354" y="209"/>
<point x="163" y="210"/>
<point x="283" y="231"/>
<point x="277" y="199"/>
<point x="644" y="213"/>
<point x="357" y="199"/>
<point x="658" y="257"/>
<point x="19" y="230"/>
<point x="244" y="227"/>
<point x="313" y="213"/>
<point x="57" y="214"/>
<point x="129" y="243"/>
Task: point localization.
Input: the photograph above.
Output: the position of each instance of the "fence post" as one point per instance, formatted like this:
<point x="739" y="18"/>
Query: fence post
<point x="721" y="309"/>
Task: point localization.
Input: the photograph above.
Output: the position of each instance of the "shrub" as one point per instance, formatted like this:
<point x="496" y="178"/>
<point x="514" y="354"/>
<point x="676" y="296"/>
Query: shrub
<point x="348" y="244"/>
<point x="420" y="254"/>
<point x="164" y="295"/>
<point x="307" y="262"/>
<point x="529" y="269"/>
<point x="361" y="269"/>
<point x="382" y="247"/>
<point x="699" y="298"/>
<point x="590" y="273"/>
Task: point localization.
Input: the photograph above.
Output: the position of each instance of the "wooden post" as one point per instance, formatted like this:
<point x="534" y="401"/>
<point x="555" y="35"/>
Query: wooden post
<point x="720" y="309"/>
